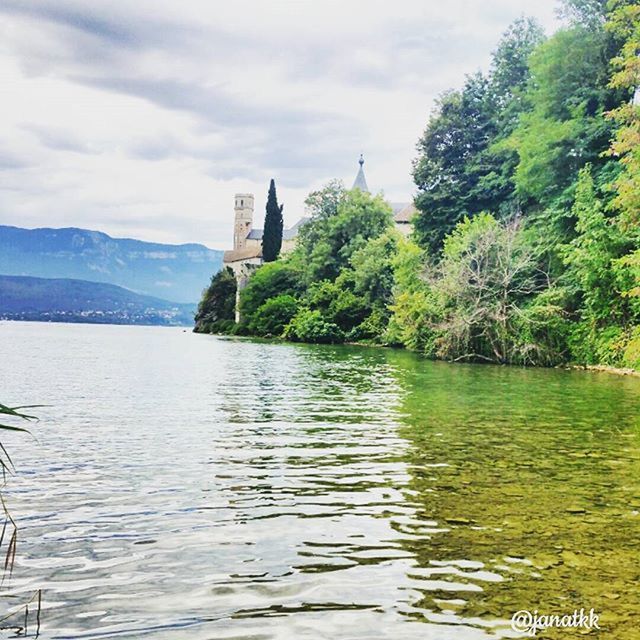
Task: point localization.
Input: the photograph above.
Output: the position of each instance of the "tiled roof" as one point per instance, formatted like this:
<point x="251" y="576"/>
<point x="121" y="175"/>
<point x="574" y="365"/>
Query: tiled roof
<point x="242" y="254"/>
<point x="289" y="234"/>
<point x="403" y="211"/>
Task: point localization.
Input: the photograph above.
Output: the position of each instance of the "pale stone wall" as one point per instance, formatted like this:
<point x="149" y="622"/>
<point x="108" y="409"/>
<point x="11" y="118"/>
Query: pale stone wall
<point x="288" y="246"/>
<point x="242" y="269"/>
<point x="251" y="243"/>
<point x="243" y="220"/>
<point x="404" y="228"/>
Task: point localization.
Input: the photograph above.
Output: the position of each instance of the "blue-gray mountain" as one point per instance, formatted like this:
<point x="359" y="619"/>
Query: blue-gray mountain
<point x="67" y="300"/>
<point x="169" y="271"/>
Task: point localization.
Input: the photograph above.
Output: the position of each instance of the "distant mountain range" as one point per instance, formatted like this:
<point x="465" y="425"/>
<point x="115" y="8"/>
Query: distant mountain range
<point x="167" y="271"/>
<point x="66" y="300"/>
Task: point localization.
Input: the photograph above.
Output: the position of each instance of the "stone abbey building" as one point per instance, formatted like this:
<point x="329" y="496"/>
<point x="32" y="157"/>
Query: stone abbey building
<point x="247" y="241"/>
<point x="246" y="254"/>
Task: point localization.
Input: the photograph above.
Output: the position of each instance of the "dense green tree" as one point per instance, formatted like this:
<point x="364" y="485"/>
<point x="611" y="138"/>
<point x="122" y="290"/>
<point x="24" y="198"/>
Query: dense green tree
<point x="338" y="303"/>
<point x="268" y="281"/>
<point x="508" y="81"/>
<point x="357" y="301"/>
<point x="324" y="203"/>
<point x="461" y="169"/>
<point x="590" y="254"/>
<point x="216" y="310"/>
<point x="321" y="205"/>
<point x="373" y="269"/>
<point x="624" y="23"/>
<point x="590" y="14"/>
<point x="510" y="73"/>
<point x="273" y="315"/>
<point x="448" y="168"/>
<point x="414" y="309"/>
<point x="273" y="226"/>
<point x="602" y="277"/>
<point x="329" y="241"/>
<point x="310" y="326"/>
<point x="566" y="125"/>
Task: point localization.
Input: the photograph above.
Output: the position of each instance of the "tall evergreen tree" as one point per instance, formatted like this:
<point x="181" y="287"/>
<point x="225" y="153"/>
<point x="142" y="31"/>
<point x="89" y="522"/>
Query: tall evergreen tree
<point x="273" y="226"/>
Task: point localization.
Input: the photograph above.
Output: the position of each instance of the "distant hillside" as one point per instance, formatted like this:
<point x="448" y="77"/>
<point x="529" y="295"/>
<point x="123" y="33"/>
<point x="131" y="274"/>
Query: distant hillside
<point x="168" y="271"/>
<point x="56" y="299"/>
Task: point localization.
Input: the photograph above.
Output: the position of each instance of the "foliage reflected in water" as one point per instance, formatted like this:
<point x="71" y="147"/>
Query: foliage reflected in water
<point x="533" y="477"/>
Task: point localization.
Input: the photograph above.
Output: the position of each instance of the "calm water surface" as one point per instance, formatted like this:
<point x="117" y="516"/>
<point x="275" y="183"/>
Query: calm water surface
<point x="194" y="487"/>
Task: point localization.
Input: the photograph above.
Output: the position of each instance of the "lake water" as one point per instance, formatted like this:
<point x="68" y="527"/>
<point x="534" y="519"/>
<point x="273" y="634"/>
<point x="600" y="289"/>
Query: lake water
<point x="190" y="487"/>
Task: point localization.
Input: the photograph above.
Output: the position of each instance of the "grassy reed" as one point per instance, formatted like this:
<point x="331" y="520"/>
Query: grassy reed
<point x="11" y="418"/>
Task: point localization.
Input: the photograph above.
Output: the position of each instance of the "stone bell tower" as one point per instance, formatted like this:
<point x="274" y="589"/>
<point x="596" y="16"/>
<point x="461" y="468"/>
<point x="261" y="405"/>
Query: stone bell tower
<point x="243" y="220"/>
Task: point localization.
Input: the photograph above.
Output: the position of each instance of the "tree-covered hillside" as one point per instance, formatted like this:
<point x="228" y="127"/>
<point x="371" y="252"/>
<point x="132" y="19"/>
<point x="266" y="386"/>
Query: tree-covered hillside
<point x="66" y="300"/>
<point x="526" y="245"/>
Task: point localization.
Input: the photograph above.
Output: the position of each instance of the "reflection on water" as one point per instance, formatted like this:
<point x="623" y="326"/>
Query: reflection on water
<point x="193" y="487"/>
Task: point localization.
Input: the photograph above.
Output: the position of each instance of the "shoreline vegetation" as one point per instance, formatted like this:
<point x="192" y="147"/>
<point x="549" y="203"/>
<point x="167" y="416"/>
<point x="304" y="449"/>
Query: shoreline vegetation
<point x="567" y="366"/>
<point x="611" y="370"/>
<point x="525" y="248"/>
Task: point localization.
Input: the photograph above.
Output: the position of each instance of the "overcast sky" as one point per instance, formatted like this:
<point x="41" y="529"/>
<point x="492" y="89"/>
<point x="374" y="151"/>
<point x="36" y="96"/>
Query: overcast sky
<point x="143" y="118"/>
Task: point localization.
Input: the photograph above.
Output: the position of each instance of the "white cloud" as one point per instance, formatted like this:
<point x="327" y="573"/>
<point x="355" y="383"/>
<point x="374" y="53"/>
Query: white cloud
<point x="143" y="119"/>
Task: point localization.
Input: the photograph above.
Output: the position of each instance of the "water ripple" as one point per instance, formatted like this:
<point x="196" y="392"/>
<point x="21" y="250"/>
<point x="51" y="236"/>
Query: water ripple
<point x="192" y="487"/>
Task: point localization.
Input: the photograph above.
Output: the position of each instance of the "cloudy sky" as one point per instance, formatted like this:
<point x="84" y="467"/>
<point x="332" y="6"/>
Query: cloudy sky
<point x="142" y="119"/>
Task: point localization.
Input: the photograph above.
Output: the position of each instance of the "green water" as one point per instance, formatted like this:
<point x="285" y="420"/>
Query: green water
<point x="190" y="487"/>
<point x="541" y="485"/>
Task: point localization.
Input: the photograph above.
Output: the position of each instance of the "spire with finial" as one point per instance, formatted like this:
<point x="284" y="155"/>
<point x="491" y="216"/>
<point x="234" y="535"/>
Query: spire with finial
<point x="360" y="181"/>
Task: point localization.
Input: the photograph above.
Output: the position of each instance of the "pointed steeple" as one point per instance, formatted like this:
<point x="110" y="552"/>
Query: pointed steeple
<point x="360" y="181"/>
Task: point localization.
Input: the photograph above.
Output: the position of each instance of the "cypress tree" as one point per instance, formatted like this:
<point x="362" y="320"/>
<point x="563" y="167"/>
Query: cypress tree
<point x="273" y="226"/>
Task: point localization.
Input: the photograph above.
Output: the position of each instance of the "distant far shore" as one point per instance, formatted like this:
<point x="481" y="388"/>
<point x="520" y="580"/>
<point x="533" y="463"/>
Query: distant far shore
<point x="90" y="320"/>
